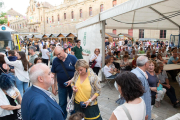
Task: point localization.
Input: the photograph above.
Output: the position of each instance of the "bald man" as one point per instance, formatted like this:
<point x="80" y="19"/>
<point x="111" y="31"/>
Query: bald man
<point x="37" y="102"/>
<point x="63" y="67"/>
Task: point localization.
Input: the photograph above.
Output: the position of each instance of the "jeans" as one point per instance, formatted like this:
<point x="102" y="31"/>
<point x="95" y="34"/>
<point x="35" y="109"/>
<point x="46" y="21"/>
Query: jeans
<point x="63" y="93"/>
<point x="21" y="86"/>
<point x="112" y="76"/>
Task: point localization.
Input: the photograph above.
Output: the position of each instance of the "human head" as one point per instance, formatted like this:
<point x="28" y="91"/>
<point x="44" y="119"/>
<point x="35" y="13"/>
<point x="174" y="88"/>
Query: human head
<point x="126" y="53"/>
<point x="148" y="54"/>
<point x="108" y="61"/>
<point x="135" y="57"/>
<point x="6" y="82"/>
<point x="77" y="116"/>
<point x="11" y="53"/>
<point x="22" y="56"/>
<point x="111" y="59"/>
<point x="133" y="52"/>
<point x="2" y="59"/>
<point x="41" y="76"/>
<point x="129" y="86"/>
<point x="153" y="57"/>
<point x="44" y="46"/>
<point x="174" y="53"/>
<point x="152" y="66"/>
<point x="125" y="57"/>
<point x="32" y="50"/>
<point x="157" y="70"/>
<point x="59" y="52"/>
<point x="141" y="49"/>
<point x="160" y="64"/>
<point x="65" y="50"/>
<point x="159" y="56"/>
<point x="78" y="42"/>
<point x="81" y="66"/>
<point x="142" y="61"/>
<point x="38" y="60"/>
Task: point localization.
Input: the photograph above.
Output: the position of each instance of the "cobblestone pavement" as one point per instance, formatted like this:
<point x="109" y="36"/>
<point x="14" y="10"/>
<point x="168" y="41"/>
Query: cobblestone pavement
<point x="106" y="102"/>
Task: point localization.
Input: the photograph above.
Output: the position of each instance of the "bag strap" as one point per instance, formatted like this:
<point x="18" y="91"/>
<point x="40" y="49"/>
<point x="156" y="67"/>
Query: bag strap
<point x="64" y="69"/>
<point x="2" y="70"/>
<point x="126" y="111"/>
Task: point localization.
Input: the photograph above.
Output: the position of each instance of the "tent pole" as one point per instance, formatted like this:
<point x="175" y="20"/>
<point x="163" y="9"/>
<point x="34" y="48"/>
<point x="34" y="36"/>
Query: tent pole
<point x="103" y="44"/>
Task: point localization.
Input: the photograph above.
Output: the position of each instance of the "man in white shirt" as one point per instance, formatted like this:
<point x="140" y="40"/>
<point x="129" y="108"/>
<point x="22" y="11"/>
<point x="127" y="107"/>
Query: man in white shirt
<point x="120" y="43"/>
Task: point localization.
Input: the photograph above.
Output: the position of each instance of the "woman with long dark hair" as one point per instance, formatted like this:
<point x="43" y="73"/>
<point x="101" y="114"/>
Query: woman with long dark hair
<point x="21" y="66"/>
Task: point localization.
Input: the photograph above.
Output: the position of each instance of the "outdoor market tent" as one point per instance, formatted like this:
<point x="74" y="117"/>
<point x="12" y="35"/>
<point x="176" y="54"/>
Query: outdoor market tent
<point x="133" y="14"/>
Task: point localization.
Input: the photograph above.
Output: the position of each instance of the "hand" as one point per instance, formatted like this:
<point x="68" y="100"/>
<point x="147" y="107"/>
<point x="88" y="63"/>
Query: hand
<point x="146" y="118"/>
<point x="168" y="86"/>
<point x="18" y="106"/>
<point x="154" y="89"/>
<point x="87" y="103"/>
<point x="55" y="92"/>
<point x="75" y="89"/>
<point x="69" y="83"/>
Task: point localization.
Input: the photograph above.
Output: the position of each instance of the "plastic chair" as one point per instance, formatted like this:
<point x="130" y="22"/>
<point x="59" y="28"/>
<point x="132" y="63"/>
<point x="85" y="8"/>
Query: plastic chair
<point x="108" y="80"/>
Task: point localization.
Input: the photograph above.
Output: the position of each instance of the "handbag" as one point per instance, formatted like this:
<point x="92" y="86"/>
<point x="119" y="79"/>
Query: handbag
<point x="70" y="105"/>
<point x="92" y="64"/>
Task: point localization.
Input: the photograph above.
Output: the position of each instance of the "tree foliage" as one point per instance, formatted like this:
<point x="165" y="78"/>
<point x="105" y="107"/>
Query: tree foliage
<point x="3" y="18"/>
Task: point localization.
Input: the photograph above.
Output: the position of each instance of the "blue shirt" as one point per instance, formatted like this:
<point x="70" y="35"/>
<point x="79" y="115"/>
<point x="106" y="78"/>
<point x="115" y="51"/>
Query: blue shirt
<point x="171" y="59"/>
<point x="69" y="65"/>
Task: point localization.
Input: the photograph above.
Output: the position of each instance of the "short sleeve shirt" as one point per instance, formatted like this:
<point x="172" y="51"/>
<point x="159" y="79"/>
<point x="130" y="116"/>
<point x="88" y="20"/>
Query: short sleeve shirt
<point x="78" y="52"/>
<point x="163" y="76"/>
<point x="171" y="59"/>
<point x="32" y="58"/>
<point x="69" y="65"/>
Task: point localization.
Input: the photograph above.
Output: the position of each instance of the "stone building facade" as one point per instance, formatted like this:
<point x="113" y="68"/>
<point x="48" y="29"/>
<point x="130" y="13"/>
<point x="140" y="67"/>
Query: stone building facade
<point x="46" y="19"/>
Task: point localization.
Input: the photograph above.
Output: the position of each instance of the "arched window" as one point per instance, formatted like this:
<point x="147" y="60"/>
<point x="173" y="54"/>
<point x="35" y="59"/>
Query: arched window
<point x="65" y="16"/>
<point x="90" y="11"/>
<point x="80" y="13"/>
<point x="47" y="19"/>
<point x="58" y="18"/>
<point x="72" y="15"/>
<point x="52" y="19"/>
<point x="41" y="18"/>
<point x="101" y="7"/>
<point x="114" y="3"/>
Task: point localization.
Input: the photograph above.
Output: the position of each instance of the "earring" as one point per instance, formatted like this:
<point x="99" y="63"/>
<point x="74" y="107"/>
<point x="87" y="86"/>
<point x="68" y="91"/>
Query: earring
<point x="86" y="69"/>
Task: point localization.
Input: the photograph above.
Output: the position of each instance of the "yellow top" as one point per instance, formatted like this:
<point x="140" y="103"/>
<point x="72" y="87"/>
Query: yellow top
<point x="84" y="90"/>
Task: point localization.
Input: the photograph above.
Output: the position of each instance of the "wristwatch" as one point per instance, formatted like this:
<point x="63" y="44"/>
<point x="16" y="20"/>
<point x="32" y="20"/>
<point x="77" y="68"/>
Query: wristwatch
<point x="90" y="100"/>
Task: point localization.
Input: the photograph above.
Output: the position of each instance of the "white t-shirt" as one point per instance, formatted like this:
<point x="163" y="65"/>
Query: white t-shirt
<point x="106" y="71"/>
<point x="44" y="55"/>
<point x="120" y="43"/>
<point x="136" y="111"/>
<point x="98" y="60"/>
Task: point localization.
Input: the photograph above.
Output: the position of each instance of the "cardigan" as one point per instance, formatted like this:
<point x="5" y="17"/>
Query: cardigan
<point x="94" y="82"/>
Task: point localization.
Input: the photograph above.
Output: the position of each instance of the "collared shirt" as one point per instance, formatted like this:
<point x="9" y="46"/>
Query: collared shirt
<point x="45" y="91"/>
<point x="98" y="60"/>
<point x="32" y="58"/>
<point x="78" y="52"/>
<point x="163" y="76"/>
<point x="172" y="59"/>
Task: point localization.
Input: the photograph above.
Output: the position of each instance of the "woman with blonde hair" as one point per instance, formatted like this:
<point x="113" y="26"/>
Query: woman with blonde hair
<point x="86" y="88"/>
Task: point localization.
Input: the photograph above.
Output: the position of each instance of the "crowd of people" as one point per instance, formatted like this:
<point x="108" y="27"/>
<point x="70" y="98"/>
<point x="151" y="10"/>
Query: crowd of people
<point x="27" y="76"/>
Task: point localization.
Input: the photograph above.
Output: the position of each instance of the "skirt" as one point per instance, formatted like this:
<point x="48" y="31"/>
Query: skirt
<point x="91" y="112"/>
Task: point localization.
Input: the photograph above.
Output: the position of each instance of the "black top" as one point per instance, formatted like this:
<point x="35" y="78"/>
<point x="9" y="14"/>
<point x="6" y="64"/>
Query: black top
<point x="12" y="116"/>
<point x="2" y="69"/>
<point x="37" y="47"/>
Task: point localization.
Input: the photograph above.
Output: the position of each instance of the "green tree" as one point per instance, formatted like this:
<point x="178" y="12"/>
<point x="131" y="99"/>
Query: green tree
<point x="3" y="18"/>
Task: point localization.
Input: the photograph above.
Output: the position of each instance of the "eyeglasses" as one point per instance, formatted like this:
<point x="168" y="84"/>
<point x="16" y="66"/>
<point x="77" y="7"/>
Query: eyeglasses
<point x="96" y="51"/>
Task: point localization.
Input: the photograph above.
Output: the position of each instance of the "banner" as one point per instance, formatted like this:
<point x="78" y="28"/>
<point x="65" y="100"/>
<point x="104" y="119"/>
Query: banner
<point x="90" y="39"/>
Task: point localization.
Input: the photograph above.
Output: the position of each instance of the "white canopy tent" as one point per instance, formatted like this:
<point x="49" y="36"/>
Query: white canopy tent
<point x="133" y="14"/>
<point x="5" y="28"/>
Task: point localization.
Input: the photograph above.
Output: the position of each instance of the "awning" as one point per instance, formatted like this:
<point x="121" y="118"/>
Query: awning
<point x="126" y="35"/>
<point x="140" y="14"/>
<point x="112" y="35"/>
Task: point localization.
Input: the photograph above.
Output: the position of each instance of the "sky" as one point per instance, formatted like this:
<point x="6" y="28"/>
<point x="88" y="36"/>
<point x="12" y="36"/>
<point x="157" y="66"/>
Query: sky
<point x="21" y="5"/>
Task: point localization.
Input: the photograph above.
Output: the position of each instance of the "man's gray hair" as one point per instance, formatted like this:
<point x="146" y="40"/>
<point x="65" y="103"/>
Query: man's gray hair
<point x="141" y="61"/>
<point x="32" y="48"/>
<point x="159" y="63"/>
<point x="36" y="71"/>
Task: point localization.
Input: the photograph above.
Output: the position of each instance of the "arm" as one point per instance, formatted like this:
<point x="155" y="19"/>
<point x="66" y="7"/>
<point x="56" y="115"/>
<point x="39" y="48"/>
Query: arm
<point x="85" y="54"/>
<point x="10" y="107"/>
<point x="54" y="87"/>
<point x="12" y="63"/>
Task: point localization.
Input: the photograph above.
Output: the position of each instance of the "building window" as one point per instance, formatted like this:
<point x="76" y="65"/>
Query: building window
<point x="101" y="7"/>
<point x="52" y="19"/>
<point x="80" y="13"/>
<point x="72" y="15"/>
<point x="47" y="19"/>
<point x="65" y="16"/>
<point x="114" y="31"/>
<point x="22" y="25"/>
<point x="41" y="18"/>
<point x="90" y="11"/>
<point x="58" y="18"/>
<point x="141" y="33"/>
<point x="130" y="32"/>
<point x="162" y="33"/>
<point x="114" y="3"/>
